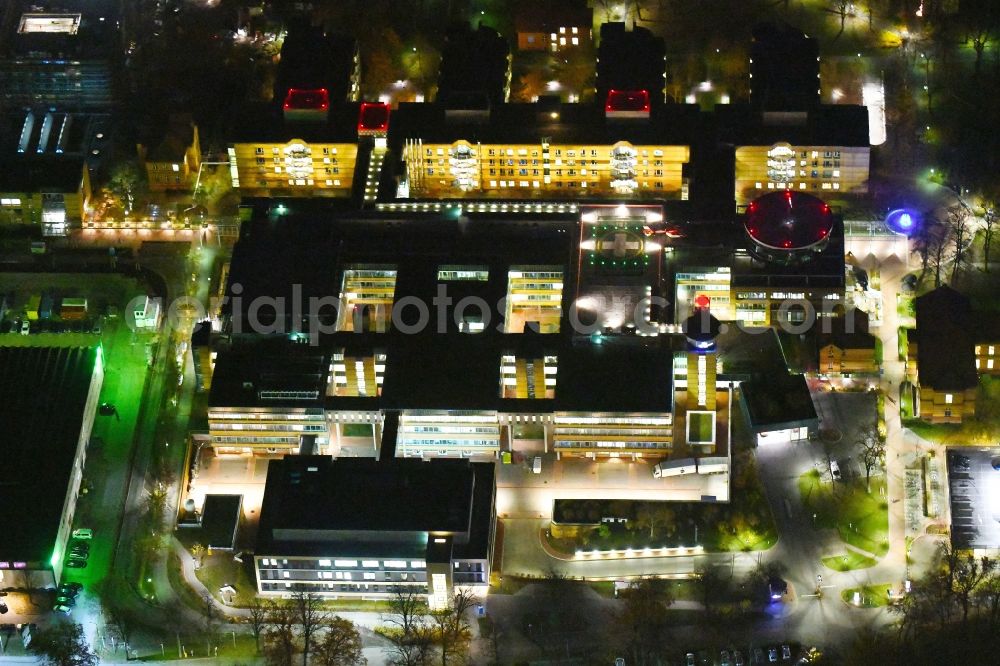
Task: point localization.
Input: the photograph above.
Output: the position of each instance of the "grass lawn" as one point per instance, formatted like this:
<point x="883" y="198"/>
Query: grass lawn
<point x="940" y="433"/>
<point x="861" y="519"/>
<point x="701" y="426"/>
<point x="849" y="561"/>
<point x="357" y="430"/>
<point x="218" y="569"/>
<point x="240" y="648"/>
<point x="872" y="596"/>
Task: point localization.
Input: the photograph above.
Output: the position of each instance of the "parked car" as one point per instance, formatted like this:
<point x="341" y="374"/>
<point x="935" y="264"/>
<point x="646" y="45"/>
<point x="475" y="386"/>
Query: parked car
<point x="69" y="589"/>
<point x="689" y="659"/>
<point x="757" y="656"/>
<point x="25" y="327"/>
<point x="724" y="658"/>
<point x="79" y="554"/>
<point x="835" y="470"/>
<point x="772" y="655"/>
<point x="65" y="601"/>
<point x="76" y="563"/>
<point x="738" y="658"/>
<point x="83" y="533"/>
<point x="786" y="653"/>
<point x="62" y="608"/>
<point x="962" y="462"/>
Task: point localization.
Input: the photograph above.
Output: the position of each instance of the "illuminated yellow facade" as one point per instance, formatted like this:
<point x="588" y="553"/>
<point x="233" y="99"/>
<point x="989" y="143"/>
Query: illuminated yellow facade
<point x="247" y="430"/>
<point x="820" y="170"/>
<point x="612" y="435"/>
<point x="988" y="358"/>
<point x="366" y="297"/>
<point x="544" y="170"/>
<point x="295" y="168"/>
<point x="356" y="375"/>
<point x="534" y="298"/>
<point x="533" y="378"/>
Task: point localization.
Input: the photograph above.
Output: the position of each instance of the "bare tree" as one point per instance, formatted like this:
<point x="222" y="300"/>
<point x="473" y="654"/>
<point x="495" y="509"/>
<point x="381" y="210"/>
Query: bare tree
<point x="407" y="610"/>
<point x="641" y="626"/>
<point x="258" y="618"/>
<point x="280" y="642"/>
<point x="989" y="223"/>
<point x="961" y="233"/>
<point x="340" y="644"/>
<point x="311" y="617"/>
<point x="453" y="630"/>
<point x="841" y="8"/>
<point x="872" y="453"/>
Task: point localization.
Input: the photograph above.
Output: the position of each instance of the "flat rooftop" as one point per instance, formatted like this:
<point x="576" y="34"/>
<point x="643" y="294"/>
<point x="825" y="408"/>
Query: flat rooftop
<point x="355" y="502"/>
<point x="974" y="486"/>
<point x="778" y="401"/>
<point x="43" y="398"/>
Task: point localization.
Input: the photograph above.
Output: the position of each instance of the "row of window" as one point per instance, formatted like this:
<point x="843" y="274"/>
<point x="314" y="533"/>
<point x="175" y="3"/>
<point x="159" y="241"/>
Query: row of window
<point x="343" y="563"/>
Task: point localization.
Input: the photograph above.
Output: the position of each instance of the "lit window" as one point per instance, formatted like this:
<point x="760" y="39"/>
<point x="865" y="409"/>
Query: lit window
<point x="991" y="350"/>
<point x="369" y="564"/>
<point x="175" y="167"/>
<point x="948" y="398"/>
<point x="576" y="30"/>
<point x="575" y="40"/>
<point x="324" y="563"/>
<point x="989" y="364"/>
<point x="979" y="349"/>
<point x="758" y="185"/>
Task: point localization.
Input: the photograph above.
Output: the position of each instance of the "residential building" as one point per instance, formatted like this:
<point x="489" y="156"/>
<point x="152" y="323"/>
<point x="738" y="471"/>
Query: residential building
<point x="520" y="151"/>
<point x="784" y="68"/>
<point x="48" y="398"/>
<point x="276" y="155"/>
<point x="312" y="59"/>
<point x="366" y="528"/>
<point x="942" y="346"/>
<point x="823" y="150"/>
<point x="630" y="58"/>
<point x="474" y="62"/>
<point x="172" y="160"/>
<point x="543" y="26"/>
<point x="846" y="348"/>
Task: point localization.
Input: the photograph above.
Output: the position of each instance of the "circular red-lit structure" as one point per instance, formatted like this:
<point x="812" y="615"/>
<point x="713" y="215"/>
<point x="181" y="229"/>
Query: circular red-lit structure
<point x="788" y="224"/>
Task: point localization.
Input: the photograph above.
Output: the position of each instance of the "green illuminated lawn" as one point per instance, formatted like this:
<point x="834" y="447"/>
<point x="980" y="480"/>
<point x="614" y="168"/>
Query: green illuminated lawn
<point x="701" y="427"/>
<point x="861" y="519"/>
<point x="849" y="561"/>
<point x="872" y="596"/>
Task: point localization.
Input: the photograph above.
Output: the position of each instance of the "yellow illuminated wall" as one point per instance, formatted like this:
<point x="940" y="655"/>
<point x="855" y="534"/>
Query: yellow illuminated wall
<point x="293" y="169"/>
<point x="612" y="435"/>
<point x="824" y="171"/>
<point x="521" y="171"/>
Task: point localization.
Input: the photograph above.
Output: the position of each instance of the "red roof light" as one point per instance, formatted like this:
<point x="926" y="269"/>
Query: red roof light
<point x="373" y="117"/>
<point x="627" y="100"/>
<point x="317" y="99"/>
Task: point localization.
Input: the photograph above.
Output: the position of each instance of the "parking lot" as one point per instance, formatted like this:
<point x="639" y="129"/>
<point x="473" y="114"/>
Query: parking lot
<point x="974" y="482"/>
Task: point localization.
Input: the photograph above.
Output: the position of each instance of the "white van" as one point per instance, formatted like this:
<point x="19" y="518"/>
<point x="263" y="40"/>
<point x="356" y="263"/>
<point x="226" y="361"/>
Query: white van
<point x="536" y="465"/>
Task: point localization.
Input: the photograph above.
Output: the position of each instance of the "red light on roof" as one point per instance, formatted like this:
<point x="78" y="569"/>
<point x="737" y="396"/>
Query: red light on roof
<point x="627" y="100"/>
<point x="373" y="117"/>
<point x="307" y="99"/>
<point x="788" y="243"/>
<point x="822" y="233"/>
<point x="826" y="208"/>
<point x="702" y="302"/>
<point x="788" y="195"/>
